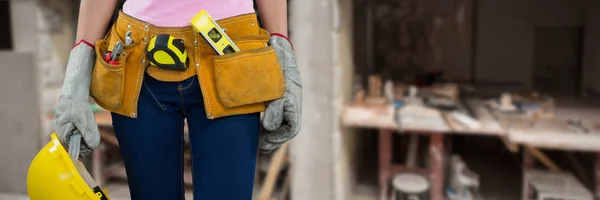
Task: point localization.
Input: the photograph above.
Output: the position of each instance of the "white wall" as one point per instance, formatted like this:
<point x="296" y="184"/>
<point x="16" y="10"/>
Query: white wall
<point x="505" y="29"/>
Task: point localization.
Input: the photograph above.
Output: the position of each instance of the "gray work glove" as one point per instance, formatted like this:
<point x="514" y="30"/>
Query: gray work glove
<point x="281" y="120"/>
<point x="73" y="111"/>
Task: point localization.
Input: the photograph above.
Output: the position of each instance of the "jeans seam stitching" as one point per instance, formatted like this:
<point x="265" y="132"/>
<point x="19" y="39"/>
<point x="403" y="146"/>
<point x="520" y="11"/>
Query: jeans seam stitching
<point x="189" y="85"/>
<point x="154" y="97"/>
<point x="181" y="163"/>
<point x="179" y="89"/>
<point x="191" y="155"/>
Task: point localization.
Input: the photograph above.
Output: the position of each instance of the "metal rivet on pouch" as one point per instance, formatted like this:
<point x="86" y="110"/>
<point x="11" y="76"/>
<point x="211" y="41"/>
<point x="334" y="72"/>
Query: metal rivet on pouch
<point x="224" y="29"/>
<point x="210" y="115"/>
<point x="252" y="23"/>
<point x="197" y="64"/>
<point x="132" y="114"/>
<point x="146" y="27"/>
<point x="145" y="38"/>
<point x="143" y="61"/>
<point x="128" y="26"/>
<point x="196" y="42"/>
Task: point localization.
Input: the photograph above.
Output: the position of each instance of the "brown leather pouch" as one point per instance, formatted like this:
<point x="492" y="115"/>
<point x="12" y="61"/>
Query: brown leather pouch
<point x="243" y="81"/>
<point x="108" y="80"/>
<point x="249" y="76"/>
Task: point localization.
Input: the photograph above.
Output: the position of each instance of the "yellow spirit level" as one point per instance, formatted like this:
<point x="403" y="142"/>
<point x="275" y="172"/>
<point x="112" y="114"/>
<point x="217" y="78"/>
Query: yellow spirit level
<point x="213" y="34"/>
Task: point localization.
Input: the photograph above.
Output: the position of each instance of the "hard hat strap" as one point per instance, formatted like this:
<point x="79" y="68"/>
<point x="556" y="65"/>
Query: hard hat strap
<point x="74" y="146"/>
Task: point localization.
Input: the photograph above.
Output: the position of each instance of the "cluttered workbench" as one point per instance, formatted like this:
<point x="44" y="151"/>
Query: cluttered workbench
<point x="572" y="125"/>
<point x="531" y="120"/>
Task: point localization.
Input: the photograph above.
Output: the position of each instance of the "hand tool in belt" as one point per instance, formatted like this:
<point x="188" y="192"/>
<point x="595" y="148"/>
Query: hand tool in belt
<point x="112" y="57"/>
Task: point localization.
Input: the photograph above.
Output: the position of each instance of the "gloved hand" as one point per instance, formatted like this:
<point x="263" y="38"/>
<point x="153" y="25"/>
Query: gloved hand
<point x="73" y="111"/>
<point x="281" y="120"/>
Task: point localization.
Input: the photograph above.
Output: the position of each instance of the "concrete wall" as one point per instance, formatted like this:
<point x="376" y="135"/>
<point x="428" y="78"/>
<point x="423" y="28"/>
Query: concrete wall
<point x="33" y="73"/>
<point x="19" y="119"/>
<point x="505" y="29"/>
<point x="345" y="139"/>
<point x="311" y="152"/>
<point x="456" y="44"/>
<point x="56" y="37"/>
<point x="20" y="104"/>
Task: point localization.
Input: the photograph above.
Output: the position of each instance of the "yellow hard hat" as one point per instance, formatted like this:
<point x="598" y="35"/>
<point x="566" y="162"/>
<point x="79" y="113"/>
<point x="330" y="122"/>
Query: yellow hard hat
<point x="56" y="174"/>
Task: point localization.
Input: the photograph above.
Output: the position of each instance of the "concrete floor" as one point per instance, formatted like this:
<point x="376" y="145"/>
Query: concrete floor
<point x="121" y="191"/>
<point x="25" y="197"/>
<point x="116" y="191"/>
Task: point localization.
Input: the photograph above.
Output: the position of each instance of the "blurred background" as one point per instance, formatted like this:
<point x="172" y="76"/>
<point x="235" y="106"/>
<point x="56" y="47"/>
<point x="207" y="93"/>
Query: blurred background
<point x="402" y="99"/>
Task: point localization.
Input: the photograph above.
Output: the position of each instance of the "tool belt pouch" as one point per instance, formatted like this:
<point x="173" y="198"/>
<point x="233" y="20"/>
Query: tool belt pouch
<point x="250" y="76"/>
<point x="108" y="80"/>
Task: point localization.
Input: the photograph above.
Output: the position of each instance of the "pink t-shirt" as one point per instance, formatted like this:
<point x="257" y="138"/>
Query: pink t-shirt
<point x="178" y="13"/>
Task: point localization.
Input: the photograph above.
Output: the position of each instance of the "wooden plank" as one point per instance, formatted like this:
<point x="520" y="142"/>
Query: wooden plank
<point x="422" y="119"/>
<point x="489" y="124"/>
<point x="382" y="117"/>
<point x="436" y="166"/>
<point x="543" y="158"/>
<point x="413" y="146"/>
<point x="369" y="117"/>
<point x="557" y="140"/>
<point x="277" y="162"/>
<point x="597" y="176"/>
<point x="512" y="147"/>
<point x="527" y="164"/>
<point x="451" y="123"/>
<point x="557" y="185"/>
<point x="556" y="133"/>
<point x="385" y="162"/>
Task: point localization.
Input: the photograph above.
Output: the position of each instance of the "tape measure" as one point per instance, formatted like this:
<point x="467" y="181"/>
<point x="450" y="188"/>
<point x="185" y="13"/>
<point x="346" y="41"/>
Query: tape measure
<point x="167" y="52"/>
<point x="213" y="34"/>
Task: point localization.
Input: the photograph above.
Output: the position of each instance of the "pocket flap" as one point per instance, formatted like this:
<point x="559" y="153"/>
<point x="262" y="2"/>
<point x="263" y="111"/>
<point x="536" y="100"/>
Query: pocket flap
<point x="248" y="76"/>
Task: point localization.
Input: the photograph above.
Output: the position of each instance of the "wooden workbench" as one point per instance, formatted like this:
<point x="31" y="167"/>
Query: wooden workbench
<point x="382" y="118"/>
<point x="552" y="133"/>
<point x="556" y="134"/>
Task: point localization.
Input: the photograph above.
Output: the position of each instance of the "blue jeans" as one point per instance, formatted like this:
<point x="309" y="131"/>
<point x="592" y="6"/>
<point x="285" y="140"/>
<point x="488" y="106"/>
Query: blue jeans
<point x="223" y="150"/>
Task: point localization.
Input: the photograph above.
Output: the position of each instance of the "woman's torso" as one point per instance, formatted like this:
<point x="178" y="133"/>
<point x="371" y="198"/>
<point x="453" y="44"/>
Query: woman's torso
<point x="168" y="13"/>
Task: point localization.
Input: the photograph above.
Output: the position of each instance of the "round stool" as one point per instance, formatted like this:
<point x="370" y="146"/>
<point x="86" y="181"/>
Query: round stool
<point x="410" y="186"/>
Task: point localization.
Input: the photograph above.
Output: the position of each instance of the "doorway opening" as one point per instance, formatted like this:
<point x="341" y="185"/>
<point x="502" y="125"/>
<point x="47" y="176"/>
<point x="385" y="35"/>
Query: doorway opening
<point x="557" y="61"/>
<point x="6" y="39"/>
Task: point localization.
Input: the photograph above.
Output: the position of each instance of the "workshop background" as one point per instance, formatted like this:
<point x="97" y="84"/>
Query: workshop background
<point x="477" y="99"/>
